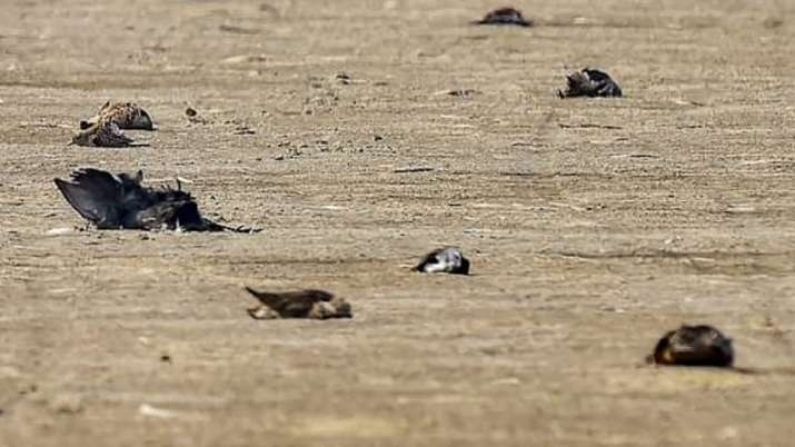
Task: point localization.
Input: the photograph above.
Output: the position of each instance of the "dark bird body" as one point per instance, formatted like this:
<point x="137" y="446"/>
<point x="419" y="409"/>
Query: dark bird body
<point x="590" y="83"/>
<point x="504" y="16"/>
<point x="102" y="134"/>
<point x="444" y="260"/>
<point x="317" y="304"/>
<point x="694" y="346"/>
<point x="121" y="202"/>
<point x="126" y="115"/>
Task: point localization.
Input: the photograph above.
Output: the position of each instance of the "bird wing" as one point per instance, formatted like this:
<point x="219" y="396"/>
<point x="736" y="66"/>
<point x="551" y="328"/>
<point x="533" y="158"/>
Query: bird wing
<point x="110" y="135"/>
<point x="291" y="304"/>
<point x="580" y="84"/>
<point x="596" y="75"/>
<point x="430" y="258"/>
<point x="604" y="85"/>
<point x="94" y="194"/>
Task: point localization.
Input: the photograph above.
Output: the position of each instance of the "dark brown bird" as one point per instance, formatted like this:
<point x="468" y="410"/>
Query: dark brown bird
<point x="444" y="260"/>
<point x="126" y="115"/>
<point x="504" y="16"/>
<point x="317" y="304"/>
<point x="590" y="83"/>
<point x="700" y="345"/>
<point x="102" y="134"/>
<point x="121" y="202"/>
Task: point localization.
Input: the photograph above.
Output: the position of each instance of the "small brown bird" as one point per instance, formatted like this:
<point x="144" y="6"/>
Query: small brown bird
<point x="126" y="115"/>
<point x="591" y="83"/>
<point x="102" y="134"/>
<point x="700" y="345"/>
<point x="504" y="16"/>
<point x="444" y="260"/>
<point x="317" y="304"/>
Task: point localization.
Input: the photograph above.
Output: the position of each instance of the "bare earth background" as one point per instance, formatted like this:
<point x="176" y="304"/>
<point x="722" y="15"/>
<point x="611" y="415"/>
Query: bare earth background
<point x="593" y="226"/>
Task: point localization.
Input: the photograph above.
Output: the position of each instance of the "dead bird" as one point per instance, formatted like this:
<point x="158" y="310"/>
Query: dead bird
<point x="700" y="345"/>
<point x="317" y="304"/>
<point x="444" y="260"/>
<point x="102" y="134"/>
<point x="504" y="16"/>
<point x="591" y="83"/>
<point x="126" y="115"/>
<point x="120" y="202"/>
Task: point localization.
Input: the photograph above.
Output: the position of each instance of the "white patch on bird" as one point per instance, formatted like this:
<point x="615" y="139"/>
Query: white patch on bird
<point x="445" y="261"/>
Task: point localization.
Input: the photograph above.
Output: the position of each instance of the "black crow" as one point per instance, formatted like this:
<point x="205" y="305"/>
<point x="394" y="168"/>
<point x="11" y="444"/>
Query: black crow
<point x="121" y="202"/>
<point x="700" y="345"/>
<point x="590" y="82"/>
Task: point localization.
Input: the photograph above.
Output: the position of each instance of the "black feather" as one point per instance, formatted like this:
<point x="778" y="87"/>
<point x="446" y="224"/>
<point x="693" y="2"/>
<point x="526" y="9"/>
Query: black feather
<point x="590" y="82"/>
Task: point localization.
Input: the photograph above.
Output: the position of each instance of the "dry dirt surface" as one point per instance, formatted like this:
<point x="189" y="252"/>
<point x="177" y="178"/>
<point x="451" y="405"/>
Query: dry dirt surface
<point x="593" y="225"/>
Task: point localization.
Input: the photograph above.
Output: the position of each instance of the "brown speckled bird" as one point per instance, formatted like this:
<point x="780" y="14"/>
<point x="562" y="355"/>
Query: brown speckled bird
<point x="102" y="134"/>
<point x="700" y="345"/>
<point x="126" y="115"/>
<point x="317" y="304"/>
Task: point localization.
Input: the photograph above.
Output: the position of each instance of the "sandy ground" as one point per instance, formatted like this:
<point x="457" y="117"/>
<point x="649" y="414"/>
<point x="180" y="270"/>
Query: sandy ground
<point x="593" y="226"/>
